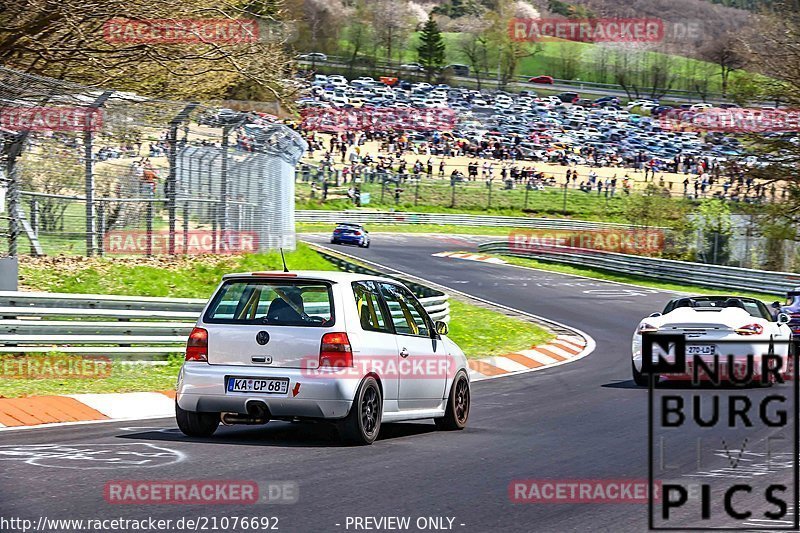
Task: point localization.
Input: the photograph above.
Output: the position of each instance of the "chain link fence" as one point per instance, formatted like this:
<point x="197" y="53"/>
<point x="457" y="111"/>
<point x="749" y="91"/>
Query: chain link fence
<point x="93" y="172"/>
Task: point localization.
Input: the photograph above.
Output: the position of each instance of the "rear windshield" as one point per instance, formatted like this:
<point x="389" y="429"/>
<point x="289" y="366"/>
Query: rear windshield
<point x="272" y="302"/>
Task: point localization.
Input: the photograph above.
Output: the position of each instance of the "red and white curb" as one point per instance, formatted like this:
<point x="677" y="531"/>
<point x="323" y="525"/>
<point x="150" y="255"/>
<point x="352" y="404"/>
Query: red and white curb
<point x="471" y="257"/>
<point x="44" y="411"/>
<point x="561" y="350"/>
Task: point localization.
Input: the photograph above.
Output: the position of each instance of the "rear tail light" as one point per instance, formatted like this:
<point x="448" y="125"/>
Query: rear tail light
<point x="197" y="345"/>
<point x="646" y="328"/>
<point x="358" y="233"/>
<point x="335" y="351"/>
<point x="750" y="329"/>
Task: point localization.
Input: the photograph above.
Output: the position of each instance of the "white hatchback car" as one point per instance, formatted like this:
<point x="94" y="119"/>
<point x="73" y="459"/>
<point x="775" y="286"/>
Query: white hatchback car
<point x="354" y="349"/>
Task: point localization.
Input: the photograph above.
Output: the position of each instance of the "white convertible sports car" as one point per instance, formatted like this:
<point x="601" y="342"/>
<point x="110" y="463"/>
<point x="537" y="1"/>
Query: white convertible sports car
<point x="707" y="321"/>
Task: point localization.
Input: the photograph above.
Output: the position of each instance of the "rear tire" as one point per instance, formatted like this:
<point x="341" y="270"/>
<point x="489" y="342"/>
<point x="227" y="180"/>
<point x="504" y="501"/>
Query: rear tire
<point x="363" y="423"/>
<point x="638" y="378"/>
<point x="458" y="403"/>
<point x="193" y="424"/>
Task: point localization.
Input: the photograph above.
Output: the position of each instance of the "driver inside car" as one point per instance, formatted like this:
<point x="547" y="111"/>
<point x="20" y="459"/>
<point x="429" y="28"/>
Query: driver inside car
<point x="287" y="307"/>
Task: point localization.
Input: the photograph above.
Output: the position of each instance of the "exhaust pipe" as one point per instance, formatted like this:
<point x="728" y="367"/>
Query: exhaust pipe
<point x="257" y="414"/>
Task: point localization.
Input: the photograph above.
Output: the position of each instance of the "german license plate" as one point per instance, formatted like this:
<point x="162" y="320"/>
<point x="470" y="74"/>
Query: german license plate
<point x="701" y="349"/>
<point x="259" y="385"/>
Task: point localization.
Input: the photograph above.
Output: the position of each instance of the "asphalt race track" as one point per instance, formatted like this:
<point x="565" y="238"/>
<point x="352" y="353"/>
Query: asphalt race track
<point x="584" y="420"/>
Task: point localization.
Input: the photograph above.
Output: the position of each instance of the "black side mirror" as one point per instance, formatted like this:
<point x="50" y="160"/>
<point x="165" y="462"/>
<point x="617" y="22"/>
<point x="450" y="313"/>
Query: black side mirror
<point x="776" y="305"/>
<point x="441" y="327"/>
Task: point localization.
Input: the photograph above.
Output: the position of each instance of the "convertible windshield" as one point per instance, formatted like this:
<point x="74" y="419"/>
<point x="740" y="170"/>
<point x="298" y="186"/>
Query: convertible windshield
<point x="753" y="307"/>
<point x="278" y="303"/>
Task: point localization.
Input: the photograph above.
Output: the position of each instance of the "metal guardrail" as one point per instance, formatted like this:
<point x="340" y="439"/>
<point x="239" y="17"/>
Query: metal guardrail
<point x="434" y="301"/>
<point x="131" y="327"/>
<point x="705" y="275"/>
<point x="388" y="217"/>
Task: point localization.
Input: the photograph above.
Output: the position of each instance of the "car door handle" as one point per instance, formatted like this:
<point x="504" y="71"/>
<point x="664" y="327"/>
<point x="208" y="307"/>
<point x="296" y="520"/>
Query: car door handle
<point x="404" y="353"/>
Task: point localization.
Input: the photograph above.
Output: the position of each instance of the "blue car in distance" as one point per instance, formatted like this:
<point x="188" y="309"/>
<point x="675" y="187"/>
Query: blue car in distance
<point x="346" y="233"/>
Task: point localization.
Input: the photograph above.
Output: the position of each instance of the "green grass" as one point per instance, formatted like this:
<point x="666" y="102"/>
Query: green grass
<point x="636" y="280"/>
<point x="193" y="277"/>
<point x="481" y="332"/>
<point x="582" y="61"/>
<point x="123" y="377"/>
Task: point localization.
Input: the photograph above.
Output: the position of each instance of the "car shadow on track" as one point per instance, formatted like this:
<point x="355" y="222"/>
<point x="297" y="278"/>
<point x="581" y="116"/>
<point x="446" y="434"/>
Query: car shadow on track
<point x="281" y="434"/>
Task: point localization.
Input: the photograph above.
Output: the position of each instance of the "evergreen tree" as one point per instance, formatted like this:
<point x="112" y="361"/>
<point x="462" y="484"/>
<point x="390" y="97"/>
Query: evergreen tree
<point x="431" y="47"/>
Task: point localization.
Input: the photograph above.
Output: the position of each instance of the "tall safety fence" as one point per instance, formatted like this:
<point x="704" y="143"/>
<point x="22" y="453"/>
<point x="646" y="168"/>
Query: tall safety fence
<point x="93" y="172"/>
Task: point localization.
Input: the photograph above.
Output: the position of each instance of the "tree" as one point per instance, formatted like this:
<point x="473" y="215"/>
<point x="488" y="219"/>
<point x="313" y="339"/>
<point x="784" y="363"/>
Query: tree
<point x="70" y="40"/>
<point x="431" y="48"/>
<point x="358" y="33"/>
<point x="772" y="49"/>
<point x="509" y="52"/>
<point x="473" y="45"/>
<point x="392" y="23"/>
<point x="458" y="8"/>
<point x="715" y="224"/>
<point x="725" y="53"/>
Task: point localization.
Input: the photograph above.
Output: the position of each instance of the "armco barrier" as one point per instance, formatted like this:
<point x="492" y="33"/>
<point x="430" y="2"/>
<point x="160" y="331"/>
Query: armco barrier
<point x="388" y="217"/>
<point x="132" y="327"/>
<point x="434" y="301"/>
<point x="683" y="272"/>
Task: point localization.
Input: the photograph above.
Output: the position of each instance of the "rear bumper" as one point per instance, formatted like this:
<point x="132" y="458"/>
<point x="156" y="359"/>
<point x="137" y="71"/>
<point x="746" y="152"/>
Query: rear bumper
<point x="347" y="240"/>
<point x="312" y="393"/>
<point x="737" y="354"/>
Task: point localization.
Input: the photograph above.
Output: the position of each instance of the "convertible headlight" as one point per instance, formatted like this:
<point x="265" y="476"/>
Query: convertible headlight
<point x="646" y="328"/>
<point x="750" y="329"/>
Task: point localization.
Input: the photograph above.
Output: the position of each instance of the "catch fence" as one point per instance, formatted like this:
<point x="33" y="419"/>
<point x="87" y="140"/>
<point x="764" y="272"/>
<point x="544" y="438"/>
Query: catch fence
<point x="93" y="172"/>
